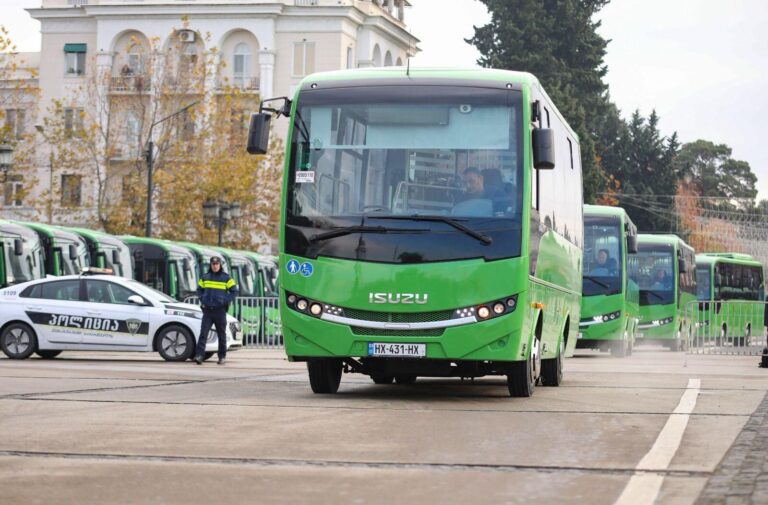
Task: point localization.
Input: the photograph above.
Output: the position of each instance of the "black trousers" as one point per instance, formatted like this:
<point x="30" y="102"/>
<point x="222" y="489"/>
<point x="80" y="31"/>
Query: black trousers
<point x="217" y="318"/>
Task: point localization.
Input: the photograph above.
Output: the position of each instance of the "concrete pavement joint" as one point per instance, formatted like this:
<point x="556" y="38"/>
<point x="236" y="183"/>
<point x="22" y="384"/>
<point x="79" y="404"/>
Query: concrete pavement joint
<point x="352" y="464"/>
<point x="47" y="397"/>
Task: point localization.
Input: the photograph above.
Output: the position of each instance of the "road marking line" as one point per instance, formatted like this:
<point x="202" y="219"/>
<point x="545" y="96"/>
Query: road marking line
<point x="643" y="488"/>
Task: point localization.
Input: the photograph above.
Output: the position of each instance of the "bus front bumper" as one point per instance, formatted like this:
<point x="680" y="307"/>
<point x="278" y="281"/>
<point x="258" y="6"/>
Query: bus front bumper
<point x="591" y="332"/>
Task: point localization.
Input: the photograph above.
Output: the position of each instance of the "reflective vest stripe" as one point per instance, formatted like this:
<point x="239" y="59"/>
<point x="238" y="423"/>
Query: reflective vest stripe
<point x="213" y="285"/>
<point x="230" y="283"/>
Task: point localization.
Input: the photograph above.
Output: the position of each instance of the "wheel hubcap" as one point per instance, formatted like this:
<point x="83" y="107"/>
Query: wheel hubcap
<point x="174" y="344"/>
<point x="18" y="341"/>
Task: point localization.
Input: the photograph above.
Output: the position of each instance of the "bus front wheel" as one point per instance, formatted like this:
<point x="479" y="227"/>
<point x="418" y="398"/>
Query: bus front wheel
<point x="324" y="375"/>
<point x="522" y="376"/>
<point x="552" y="369"/>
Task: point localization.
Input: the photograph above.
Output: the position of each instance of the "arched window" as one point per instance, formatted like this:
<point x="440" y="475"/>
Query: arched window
<point x="240" y="62"/>
<point x="399" y="61"/>
<point x="134" y="59"/>
<point x="388" y="59"/>
<point x="376" y="56"/>
<point x="189" y="57"/>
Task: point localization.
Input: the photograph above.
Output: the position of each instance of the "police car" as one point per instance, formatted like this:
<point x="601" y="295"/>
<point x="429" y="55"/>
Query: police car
<point x="100" y="313"/>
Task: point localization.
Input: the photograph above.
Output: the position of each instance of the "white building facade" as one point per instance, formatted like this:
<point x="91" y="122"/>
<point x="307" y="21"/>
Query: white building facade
<point x="264" y="47"/>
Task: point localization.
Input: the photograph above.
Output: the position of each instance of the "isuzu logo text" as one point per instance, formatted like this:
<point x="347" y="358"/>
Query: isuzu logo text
<point x="404" y="298"/>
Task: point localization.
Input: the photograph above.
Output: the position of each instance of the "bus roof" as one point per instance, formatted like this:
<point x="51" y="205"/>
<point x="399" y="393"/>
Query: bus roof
<point x="417" y="76"/>
<point x="16" y="230"/>
<point x="97" y="236"/>
<point x="163" y="244"/>
<point x="55" y="232"/>
<point x="733" y="258"/>
<point x="603" y="210"/>
<point x="666" y="238"/>
<point x="233" y="255"/>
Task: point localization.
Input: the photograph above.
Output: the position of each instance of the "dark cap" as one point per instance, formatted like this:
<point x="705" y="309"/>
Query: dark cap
<point x="215" y="259"/>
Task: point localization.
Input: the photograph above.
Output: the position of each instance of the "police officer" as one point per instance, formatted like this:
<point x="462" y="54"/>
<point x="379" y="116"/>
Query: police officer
<point x="216" y="290"/>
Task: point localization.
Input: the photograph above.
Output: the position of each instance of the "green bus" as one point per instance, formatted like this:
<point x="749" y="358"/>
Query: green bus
<point x="730" y="289"/>
<point x="107" y="251"/>
<point x="665" y="271"/>
<point x="264" y="324"/>
<point x="21" y="254"/>
<point x="164" y="266"/>
<point x="610" y="303"/>
<point x="66" y="252"/>
<point x="203" y="255"/>
<point x="431" y="225"/>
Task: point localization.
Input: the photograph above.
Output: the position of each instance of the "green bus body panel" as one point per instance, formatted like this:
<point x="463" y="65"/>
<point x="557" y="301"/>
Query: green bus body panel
<point x="556" y="283"/>
<point x="735" y="314"/>
<point x="627" y="302"/>
<point x="677" y="311"/>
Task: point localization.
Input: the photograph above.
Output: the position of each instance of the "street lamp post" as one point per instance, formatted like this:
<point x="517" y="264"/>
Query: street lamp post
<point x="150" y="162"/>
<point x="220" y="213"/>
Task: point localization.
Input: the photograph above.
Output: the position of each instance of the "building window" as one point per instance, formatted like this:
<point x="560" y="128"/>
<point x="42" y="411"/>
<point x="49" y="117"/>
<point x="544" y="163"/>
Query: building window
<point x="128" y="190"/>
<point x="13" y="191"/>
<point x="74" y="58"/>
<point x="73" y="120"/>
<point x="134" y="60"/>
<point x="14" y="122"/>
<point x="240" y="63"/>
<point x="350" y="58"/>
<point x="303" y="58"/>
<point x="186" y="126"/>
<point x="132" y="136"/>
<point x="189" y="58"/>
<point x="71" y="190"/>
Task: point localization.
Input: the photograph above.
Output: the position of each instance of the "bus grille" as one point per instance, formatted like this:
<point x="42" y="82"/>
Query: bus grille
<point x="398" y="317"/>
<point x="432" y="332"/>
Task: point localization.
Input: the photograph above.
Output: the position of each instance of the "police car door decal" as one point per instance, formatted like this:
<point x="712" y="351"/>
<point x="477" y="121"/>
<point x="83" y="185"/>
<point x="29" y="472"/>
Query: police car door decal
<point x="65" y="323"/>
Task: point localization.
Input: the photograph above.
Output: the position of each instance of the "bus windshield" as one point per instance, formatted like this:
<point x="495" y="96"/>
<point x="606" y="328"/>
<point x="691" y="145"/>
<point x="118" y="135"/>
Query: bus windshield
<point x="269" y="277"/>
<point x="703" y="281"/>
<point x="655" y="274"/>
<point x="406" y="174"/>
<point x="602" y="256"/>
<point x="27" y="267"/>
<point x="186" y="276"/>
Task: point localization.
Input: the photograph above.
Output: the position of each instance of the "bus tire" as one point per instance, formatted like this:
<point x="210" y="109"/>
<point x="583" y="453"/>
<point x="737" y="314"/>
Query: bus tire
<point x="405" y="379"/>
<point x="382" y="379"/>
<point x="324" y="375"/>
<point x="175" y="343"/>
<point x="47" y="354"/>
<point x="552" y="369"/>
<point x="18" y="341"/>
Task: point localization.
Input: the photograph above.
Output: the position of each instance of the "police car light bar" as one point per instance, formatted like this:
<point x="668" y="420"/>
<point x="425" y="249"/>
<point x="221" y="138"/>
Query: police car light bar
<point x="95" y="271"/>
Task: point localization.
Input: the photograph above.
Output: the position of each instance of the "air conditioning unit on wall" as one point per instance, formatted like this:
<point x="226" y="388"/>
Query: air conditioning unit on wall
<point x="187" y="36"/>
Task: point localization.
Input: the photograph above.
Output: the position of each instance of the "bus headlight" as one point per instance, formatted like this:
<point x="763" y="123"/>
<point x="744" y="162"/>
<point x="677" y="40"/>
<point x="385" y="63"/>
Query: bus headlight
<point x="498" y="308"/>
<point x="302" y="304"/>
<point x="607" y="317"/>
<point x="315" y="309"/>
<point x="483" y="312"/>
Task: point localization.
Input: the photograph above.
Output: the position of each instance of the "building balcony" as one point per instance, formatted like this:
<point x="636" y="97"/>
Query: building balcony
<point x="130" y="84"/>
<point x="243" y="83"/>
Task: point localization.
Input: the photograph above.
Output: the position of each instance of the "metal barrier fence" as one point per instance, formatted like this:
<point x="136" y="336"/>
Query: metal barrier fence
<point x="735" y="327"/>
<point x="259" y="319"/>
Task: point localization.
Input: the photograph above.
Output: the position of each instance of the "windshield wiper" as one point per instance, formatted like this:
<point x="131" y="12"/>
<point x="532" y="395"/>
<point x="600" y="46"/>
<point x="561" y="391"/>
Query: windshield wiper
<point x="348" y="230"/>
<point x="599" y="283"/>
<point x="485" y="239"/>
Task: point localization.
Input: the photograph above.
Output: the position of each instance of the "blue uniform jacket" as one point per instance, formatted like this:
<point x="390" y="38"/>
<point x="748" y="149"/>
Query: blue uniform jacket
<point x="216" y="290"/>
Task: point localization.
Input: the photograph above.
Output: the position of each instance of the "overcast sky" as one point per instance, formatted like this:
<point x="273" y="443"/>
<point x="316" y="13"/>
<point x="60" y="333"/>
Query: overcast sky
<point x="702" y="64"/>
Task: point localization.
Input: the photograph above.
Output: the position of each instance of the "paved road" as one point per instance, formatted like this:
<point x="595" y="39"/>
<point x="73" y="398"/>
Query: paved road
<point x="123" y="428"/>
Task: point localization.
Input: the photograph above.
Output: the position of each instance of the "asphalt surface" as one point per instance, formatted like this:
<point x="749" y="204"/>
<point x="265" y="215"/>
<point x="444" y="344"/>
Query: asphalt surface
<point x="129" y="428"/>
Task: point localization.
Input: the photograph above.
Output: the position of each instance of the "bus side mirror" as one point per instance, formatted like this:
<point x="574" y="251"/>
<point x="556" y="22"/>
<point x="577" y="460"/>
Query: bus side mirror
<point x="115" y="257"/>
<point x="18" y="247"/>
<point x="681" y="266"/>
<point x="258" y="133"/>
<point x="543" y="148"/>
<point x="72" y="251"/>
<point x="632" y="244"/>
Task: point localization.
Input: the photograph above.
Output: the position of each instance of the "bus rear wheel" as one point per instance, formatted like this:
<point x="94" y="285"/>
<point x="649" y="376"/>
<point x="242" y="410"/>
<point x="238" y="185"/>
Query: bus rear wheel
<point x="404" y="379"/>
<point x="382" y="379"/>
<point x="324" y="375"/>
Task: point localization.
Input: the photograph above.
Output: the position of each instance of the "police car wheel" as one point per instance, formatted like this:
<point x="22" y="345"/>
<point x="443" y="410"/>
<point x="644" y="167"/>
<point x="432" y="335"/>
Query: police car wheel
<point x="47" y="354"/>
<point x="18" y="341"/>
<point x="208" y="356"/>
<point x="175" y="343"/>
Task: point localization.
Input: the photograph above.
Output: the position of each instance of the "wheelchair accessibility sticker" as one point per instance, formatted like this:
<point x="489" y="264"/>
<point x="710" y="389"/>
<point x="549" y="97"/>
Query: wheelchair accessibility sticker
<point x="292" y="267"/>
<point x="306" y="269"/>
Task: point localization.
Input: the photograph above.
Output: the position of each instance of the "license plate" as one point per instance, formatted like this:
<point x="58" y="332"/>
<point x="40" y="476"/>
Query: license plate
<point x="397" y="350"/>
